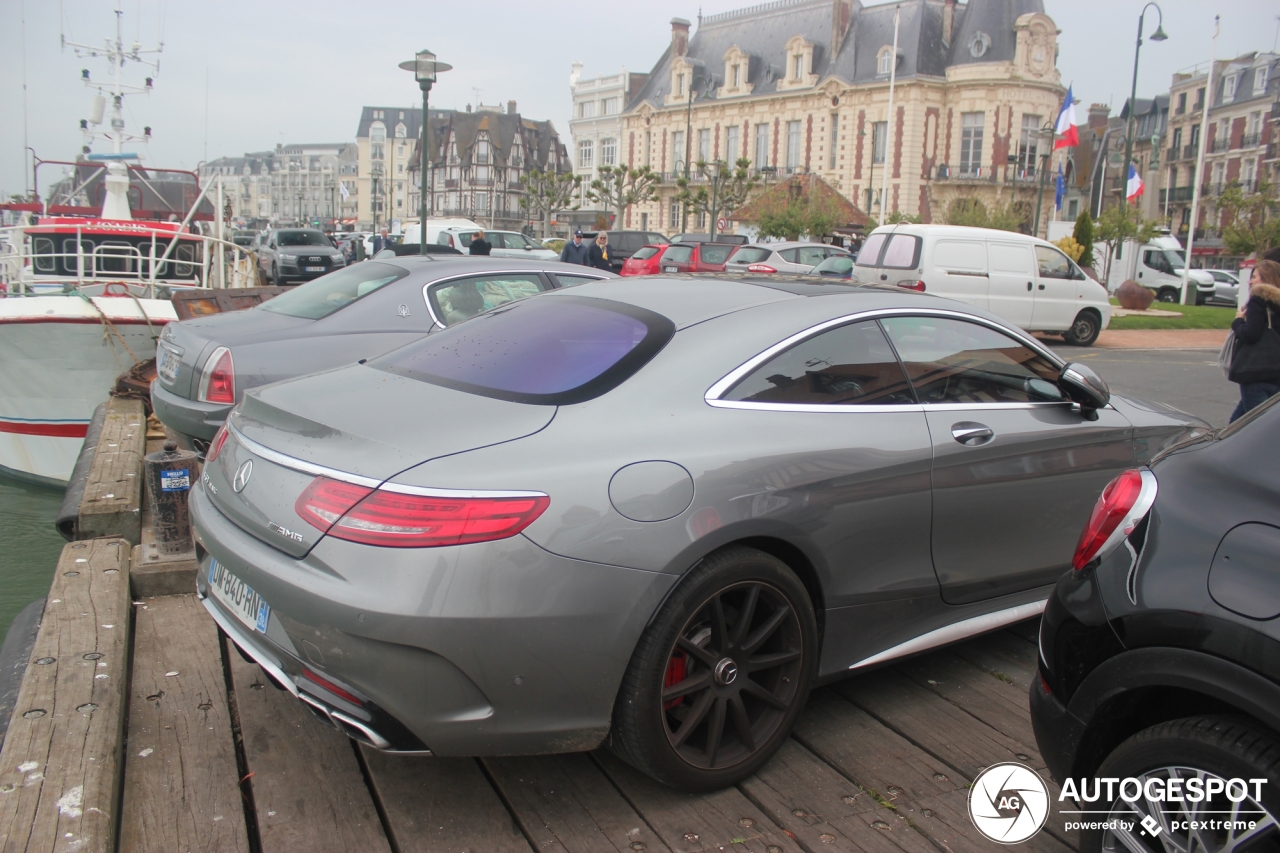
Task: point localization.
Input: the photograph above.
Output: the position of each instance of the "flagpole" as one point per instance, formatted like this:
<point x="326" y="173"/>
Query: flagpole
<point x="888" y="125"/>
<point x="1189" y="298"/>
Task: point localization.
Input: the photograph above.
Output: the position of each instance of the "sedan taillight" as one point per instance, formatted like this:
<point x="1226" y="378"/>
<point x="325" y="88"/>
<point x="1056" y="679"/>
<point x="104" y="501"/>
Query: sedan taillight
<point x="218" y="379"/>
<point x="1123" y="503"/>
<point x="760" y="268"/>
<point x="397" y="520"/>
<point x="215" y="446"/>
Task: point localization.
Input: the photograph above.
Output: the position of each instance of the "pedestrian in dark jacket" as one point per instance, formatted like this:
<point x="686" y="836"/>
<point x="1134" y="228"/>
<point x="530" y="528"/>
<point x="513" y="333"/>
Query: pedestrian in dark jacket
<point x="575" y="251"/>
<point x="479" y="245"/>
<point x="1253" y="321"/>
<point x="382" y="242"/>
<point x="598" y="257"/>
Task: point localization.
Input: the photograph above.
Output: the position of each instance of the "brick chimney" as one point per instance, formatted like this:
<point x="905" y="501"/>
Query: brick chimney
<point x="1098" y="114"/>
<point x="841" y="19"/>
<point x="948" y="21"/>
<point x="679" y="36"/>
<point x="511" y="108"/>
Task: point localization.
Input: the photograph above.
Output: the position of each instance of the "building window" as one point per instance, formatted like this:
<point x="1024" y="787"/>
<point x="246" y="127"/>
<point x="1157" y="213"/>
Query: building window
<point x="585" y="152"/>
<point x="399" y="168"/>
<point x="1259" y="80"/>
<point x="1029" y="145"/>
<point x="835" y="138"/>
<point x="762" y="146"/>
<point x="377" y="132"/>
<point x="482" y="151"/>
<point x="677" y="151"/>
<point x="1195" y="136"/>
<point x="731" y="150"/>
<point x="1073" y="208"/>
<point x="971" y="142"/>
<point x="401" y="131"/>
<point x="482" y="202"/>
<point x="1255" y="124"/>
<point x="1177" y="138"/>
<point x="1229" y="88"/>
<point x="793" y="145"/>
<point x="1247" y="175"/>
<point x="609" y="106"/>
<point x="704" y="145"/>
<point x="644" y="222"/>
<point x="608" y="152"/>
<point x="680" y="85"/>
<point x="1182" y="103"/>
<point x="674" y="214"/>
<point x="799" y="66"/>
<point x="737" y="73"/>
<point x="885" y="61"/>
<point x="587" y="109"/>
<point x="377" y="152"/>
<point x="879" y="140"/>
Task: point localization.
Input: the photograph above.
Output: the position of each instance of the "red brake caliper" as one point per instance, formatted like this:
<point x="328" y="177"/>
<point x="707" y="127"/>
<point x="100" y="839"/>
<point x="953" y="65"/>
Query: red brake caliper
<point x="676" y="669"/>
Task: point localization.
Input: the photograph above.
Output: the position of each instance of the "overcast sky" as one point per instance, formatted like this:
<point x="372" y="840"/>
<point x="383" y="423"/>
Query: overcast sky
<point x="288" y="71"/>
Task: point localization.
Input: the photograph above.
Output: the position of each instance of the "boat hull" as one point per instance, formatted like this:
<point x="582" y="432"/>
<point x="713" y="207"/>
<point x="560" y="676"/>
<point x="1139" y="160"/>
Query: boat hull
<point x="60" y="355"/>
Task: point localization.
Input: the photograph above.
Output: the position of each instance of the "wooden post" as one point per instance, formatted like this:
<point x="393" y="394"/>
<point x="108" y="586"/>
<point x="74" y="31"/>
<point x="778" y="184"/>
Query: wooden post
<point x="112" y="502"/>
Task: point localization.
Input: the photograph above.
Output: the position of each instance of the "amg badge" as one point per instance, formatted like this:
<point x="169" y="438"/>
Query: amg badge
<point x="284" y="531"/>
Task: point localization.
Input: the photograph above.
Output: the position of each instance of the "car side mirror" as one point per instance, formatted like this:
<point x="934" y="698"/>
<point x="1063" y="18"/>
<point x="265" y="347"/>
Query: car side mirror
<point x="1084" y="387"/>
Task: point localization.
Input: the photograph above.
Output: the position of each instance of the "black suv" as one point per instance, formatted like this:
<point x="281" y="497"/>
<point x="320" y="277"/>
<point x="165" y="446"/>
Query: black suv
<point x="624" y="244"/>
<point x="297" y="254"/>
<point x="1160" y="651"/>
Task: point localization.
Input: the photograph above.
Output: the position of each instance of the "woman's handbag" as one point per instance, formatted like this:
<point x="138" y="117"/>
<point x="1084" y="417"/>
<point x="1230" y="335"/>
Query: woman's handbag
<point x="1258" y="361"/>
<point x="1227" y="353"/>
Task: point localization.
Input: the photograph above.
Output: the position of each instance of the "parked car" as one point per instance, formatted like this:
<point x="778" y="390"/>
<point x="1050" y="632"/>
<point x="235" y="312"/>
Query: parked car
<point x="696" y="257"/>
<point x="836" y="266"/>
<point x="1025" y="280"/>
<point x="644" y="262"/>
<point x="676" y="501"/>
<point x="736" y="239"/>
<point x="624" y="244"/>
<point x="1226" y="288"/>
<point x="506" y="244"/>
<point x="242" y="238"/>
<point x="555" y="244"/>
<point x="205" y="365"/>
<point x="1158" y="650"/>
<point x="297" y="254"/>
<point x="783" y="257"/>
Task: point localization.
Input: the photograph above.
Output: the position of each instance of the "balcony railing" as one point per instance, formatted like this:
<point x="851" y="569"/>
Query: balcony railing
<point x="1024" y="175"/>
<point x="1212" y="190"/>
<point x="1251" y="140"/>
<point x="1273" y="151"/>
<point x="1219" y="145"/>
<point x="974" y="173"/>
<point x="1189" y="152"/>
<point x="1174" y="153"/>
<point x="1176" y="194"/>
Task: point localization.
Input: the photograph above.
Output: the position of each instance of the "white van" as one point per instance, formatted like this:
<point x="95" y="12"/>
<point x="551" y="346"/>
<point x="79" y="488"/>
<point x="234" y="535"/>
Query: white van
<point x="1027" y="281"/>
<point x="1158" y="266"/>
<point x="413" y="230"/>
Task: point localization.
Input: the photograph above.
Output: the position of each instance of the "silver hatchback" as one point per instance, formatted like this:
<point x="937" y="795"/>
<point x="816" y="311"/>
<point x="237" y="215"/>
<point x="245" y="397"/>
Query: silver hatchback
<point x="791" y="257"/>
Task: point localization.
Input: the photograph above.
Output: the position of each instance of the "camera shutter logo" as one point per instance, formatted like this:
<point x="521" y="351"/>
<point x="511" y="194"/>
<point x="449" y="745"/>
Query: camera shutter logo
<point x="1009" y="803"/>
<point x="241" y="479"/>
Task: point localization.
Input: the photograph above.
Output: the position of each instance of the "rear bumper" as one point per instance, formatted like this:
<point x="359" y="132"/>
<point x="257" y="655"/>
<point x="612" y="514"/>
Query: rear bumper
<point x="497" y="648"/>
<point x="1058" y="733"/>
<point x="189" y="418"/>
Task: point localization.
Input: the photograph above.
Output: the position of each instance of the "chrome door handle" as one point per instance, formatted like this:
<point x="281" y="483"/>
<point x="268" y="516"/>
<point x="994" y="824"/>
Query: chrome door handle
<point x="971" y="434"/>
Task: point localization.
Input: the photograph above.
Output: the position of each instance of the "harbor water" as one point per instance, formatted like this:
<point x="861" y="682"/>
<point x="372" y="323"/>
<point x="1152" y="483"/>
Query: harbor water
<point x="29" y="545"/>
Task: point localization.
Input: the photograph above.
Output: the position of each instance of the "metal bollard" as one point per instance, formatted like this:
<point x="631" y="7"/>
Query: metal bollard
<point x="169" y="474"/>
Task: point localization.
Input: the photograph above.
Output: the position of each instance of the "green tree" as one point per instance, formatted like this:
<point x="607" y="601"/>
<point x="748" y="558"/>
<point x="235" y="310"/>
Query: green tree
<point x="1117" y="225"/>
<point x="620" y="186"/>
<point x="893" y="219"/>
<point x="973" y="212"/>
<point x="724" y="194"/>
<point x="546" y="192"/>
<point x="812" y="216"/>
<point x="1251" y="221"/>
<point x="1084" y="236"/>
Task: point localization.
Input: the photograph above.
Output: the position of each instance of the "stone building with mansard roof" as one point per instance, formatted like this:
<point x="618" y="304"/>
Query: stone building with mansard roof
<point x="802" y="86"/>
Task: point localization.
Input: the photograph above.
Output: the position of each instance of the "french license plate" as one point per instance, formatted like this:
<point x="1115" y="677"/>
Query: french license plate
<point x="314" y="269"/>
<point x="238" y="597"/>
<point x="670" y="269"/>
<point x="167" y="364"/>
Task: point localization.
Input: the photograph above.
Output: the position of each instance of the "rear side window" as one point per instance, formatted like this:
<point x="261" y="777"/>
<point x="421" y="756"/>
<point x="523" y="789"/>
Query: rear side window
<point x="713" y="254"/>
<point x="645" y="253"/>
<point x="460" y="299"/>
<point x="900" y="251"/>
<point x="750" y="255"/>
<point x="553" y="351"/>
<point x="869" y="255"/>
<point x="332" y="292"/>
<point x="678" y="254"/>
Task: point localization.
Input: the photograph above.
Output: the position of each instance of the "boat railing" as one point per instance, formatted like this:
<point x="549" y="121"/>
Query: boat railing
<point x="55" y="258"/>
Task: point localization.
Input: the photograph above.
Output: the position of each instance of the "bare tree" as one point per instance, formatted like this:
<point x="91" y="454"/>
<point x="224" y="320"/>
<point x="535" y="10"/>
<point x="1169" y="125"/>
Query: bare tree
<point x="546" y="192"/>
<point x="726" y="189"/>
<point x="621" y="186"/>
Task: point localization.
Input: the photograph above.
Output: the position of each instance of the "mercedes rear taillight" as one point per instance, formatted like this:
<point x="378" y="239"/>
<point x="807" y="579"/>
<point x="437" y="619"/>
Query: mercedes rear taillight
<point x="1124" y="503"/>
<point x="218" y="379"/>
<point x="397" y="519"/>
<point x="215" y="446"/>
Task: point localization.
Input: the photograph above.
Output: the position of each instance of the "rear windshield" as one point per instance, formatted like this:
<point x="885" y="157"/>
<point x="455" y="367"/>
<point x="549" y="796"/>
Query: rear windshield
<point x="750" y="255"/>
<point x="901" y="251"/>
<point x="645" y="253"/>
<point x="716" y="254"/>
<point x="551" y="351"/>
<point x="329" y="293"/>
<point x="301" y="238"/>
<point x="678" y="254"/>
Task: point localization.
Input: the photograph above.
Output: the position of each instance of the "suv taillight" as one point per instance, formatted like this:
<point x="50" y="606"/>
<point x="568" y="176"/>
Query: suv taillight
<point x="1123" y="503"/>
<point x="397" y="520"/>
<point x="218" y="379"/>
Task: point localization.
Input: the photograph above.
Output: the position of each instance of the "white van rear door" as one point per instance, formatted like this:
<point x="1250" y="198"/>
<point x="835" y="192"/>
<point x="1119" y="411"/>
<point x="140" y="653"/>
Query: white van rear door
<point x="1012" y="280"/>
<point x="960" y="268"/>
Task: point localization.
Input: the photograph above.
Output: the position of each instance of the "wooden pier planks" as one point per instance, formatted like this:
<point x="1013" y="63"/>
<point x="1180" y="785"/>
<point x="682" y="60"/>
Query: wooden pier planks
<point x="112" y="501"/>
<point x="181" y="788"/>
<point x="60" y="766"/>
<point x="441" y="805"/>
<point x="308" y="791"/>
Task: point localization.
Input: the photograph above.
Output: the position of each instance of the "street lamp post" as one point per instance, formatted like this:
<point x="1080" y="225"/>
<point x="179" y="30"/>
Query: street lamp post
<point x="375" y="172"/>
<point x="425" y="68"/>
<point x="1158" y="35"/>
<point x="713" y="171"/>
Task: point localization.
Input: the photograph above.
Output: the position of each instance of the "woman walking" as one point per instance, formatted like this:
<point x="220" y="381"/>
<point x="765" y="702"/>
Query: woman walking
<point x="599" y="254"/>
<point x="1256" y="363"/>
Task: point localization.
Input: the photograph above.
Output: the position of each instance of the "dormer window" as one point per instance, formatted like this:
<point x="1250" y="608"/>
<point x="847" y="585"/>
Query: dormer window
<point x="737" y="71"/>
<point x="798" y="65"/>
<point x="737" y="67"/>
<point x="798" y="70"/>
<point x="884" y="63"/>
<point x="680" y="85"/>
<point x="1260" y="80"/>
<point x="1229" y="88"/>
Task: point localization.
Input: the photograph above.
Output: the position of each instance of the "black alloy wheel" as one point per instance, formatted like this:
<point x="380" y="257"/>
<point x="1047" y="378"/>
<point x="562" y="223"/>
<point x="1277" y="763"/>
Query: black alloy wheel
<point x="1084" y="329"/>
<point x="721" y="675"/>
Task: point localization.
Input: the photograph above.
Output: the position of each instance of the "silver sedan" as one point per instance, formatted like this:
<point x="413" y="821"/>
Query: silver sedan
<point x="793" y="257"/>
<point x="655" y="511"/>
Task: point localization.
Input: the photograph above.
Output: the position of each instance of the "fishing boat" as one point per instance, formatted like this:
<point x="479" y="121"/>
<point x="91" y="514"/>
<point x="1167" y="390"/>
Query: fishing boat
<point x="87" y="275"/>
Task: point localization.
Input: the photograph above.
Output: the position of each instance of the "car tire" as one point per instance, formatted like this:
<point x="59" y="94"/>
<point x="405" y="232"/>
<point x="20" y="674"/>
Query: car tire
<point x="1225" y="747"/>
<point x="275" y="276"/>
<point x="1084" y="329"/>
<point x="720" y="675"/>
<point x="1168" y="294"/>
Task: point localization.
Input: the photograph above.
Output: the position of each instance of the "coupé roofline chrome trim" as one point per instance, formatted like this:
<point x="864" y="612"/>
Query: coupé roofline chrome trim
<point x="304" y="467"/>
<point x="722" y="387"/>
<point x="957" y="631"/>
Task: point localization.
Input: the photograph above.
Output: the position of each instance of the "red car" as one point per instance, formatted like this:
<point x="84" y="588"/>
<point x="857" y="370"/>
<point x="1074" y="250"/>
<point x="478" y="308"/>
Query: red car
<point x="644" y="261"/>
<point x="696" y="257"/>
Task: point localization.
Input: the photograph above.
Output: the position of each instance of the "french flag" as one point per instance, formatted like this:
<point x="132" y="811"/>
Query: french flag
<point x="1066" y="126"/>
<point x="1134" y="187"/>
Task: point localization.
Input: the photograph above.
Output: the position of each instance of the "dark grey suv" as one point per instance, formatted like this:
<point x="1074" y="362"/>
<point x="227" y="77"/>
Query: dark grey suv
<point x="290" y="255"/>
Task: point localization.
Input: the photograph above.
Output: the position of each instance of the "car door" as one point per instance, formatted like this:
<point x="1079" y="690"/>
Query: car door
<point x="1057" y="293"/>
<point x="961" y="270"/>
<point x="1012" y="278"/>
<point x="1016" y="467"/>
